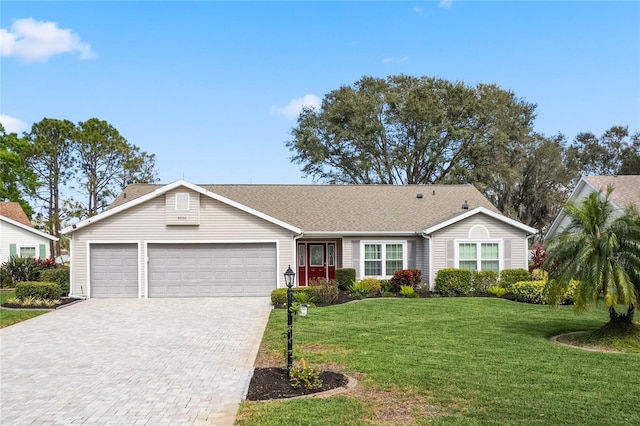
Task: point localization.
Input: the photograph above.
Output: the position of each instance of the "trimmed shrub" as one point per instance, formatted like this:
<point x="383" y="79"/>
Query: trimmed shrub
<point x="21" y="269"/>
<point x="508" y="277"/>
<point x="7" y="282"/>
<point x="484" y="280"/>
<point x="497" y="291"/>
<point x="410" y="277"/>
<point x="38" y="290"/>
<point x="279" y="295"/>
<point x="324" y="294"/>
<point x="59" y="276"/>
<point x="365" y="287"/>
<point x="539" y="275"/>
<point x="454" y="281"/>
<point x="568" y="297"/>
<point x="530" y="292"/>
<point x="407" y="291"/>
<point x="344" y="277"/>
<point x="386" y="286"/>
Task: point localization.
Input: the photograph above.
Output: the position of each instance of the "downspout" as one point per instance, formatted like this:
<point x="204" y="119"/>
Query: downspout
<point x="431" y="284"/>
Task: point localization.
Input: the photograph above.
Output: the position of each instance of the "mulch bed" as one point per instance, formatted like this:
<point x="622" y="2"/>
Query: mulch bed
<point x="273" y="383"/>
<point x="63" y="301"/>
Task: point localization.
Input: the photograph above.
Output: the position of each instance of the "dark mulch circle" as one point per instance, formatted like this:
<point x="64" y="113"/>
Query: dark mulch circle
<point x="63" y="301"/>
<point x="273" y="383"/>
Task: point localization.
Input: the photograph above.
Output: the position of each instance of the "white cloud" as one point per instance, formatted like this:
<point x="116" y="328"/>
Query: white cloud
<point x="396" y="60"/>
<point x="446" y="4"/>
<point x="12" y="124"/>
<point x="294" y="107"/>
<point x="38" y="40"/>
<point x="418" y="10"/>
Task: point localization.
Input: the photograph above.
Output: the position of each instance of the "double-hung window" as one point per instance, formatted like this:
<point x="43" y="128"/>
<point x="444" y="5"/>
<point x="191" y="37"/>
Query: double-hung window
<point x="477" y="256"/>
<point x="28" y="251"/>
<point x="382" y="259"/>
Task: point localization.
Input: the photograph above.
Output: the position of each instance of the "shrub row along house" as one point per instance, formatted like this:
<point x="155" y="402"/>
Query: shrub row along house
<point x="18" y="237"/>
<point x="187" y="240"/>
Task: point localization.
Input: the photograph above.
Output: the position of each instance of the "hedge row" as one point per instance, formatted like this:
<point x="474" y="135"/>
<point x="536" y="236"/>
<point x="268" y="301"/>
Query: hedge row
<point x="324" y="294"/>
<point x="59" y="276"/>
<point x="38" y="289"/>
<point x="537" y="292"/>
<point x="461" y="282"/>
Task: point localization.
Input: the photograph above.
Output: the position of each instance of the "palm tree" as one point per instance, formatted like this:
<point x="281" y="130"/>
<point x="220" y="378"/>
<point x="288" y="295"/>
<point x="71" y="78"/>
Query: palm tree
<point x="602" y="252"/>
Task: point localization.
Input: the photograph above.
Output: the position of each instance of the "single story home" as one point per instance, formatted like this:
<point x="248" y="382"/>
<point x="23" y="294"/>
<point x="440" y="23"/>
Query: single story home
<point x="626" y="192"/>
<point x="18" y="237"/>
<point x="187" y="240"/>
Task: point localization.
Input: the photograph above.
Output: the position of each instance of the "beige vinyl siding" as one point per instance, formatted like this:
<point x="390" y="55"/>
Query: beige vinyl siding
<point x="351" y="255"/>
<point x="497" y="229"/>
<point x="145" y="223"/>
<point x="191" y="216"/>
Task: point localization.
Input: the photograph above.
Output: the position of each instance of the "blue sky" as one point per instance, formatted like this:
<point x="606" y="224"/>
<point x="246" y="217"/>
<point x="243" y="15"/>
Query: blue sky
<point x="213" y="88"/>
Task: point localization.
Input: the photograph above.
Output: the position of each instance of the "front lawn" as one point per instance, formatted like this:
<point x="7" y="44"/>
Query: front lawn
<point x="9" y="316"/>
<point x="453" y="361"/>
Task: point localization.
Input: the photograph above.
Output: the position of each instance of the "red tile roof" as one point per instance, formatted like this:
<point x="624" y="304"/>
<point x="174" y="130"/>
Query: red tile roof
<point x="13" y="210"/>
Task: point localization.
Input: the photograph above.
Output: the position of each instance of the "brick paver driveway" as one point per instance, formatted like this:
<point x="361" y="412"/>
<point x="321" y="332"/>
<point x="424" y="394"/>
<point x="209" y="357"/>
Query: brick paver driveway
<point x="136" y="361"/>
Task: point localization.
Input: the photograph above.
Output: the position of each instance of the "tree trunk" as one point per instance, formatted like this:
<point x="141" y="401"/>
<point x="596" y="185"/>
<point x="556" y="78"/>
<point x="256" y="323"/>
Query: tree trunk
<point x="620" y="321"/>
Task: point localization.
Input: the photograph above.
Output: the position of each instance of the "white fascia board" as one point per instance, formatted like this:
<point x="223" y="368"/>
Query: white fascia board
<point x="28" y="228"/>
<point x="584" y="181"/>
<point x="560" y="217"/>
<point x="486" y="211"/>
<point x="169" y="187"/>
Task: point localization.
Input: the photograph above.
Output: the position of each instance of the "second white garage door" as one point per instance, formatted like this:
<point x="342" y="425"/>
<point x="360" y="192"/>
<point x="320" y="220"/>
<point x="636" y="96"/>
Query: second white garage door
<point x="197" y="270"/>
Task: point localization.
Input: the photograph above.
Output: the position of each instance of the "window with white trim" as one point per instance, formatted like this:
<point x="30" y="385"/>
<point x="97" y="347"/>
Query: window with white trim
<point x="182" y="201"/>
<point x="28" y="251"/>
<point x="382" y="259"/>
<point x="477" y="256"/>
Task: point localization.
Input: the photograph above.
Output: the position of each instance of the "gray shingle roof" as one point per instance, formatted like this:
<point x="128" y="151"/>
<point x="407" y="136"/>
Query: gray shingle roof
<point x="626" y="188"/>
<point x="344" y="208"/>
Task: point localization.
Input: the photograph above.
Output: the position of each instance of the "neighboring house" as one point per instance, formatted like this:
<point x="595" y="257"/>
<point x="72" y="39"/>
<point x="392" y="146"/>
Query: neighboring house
<point x="181" y="239"/>
<point x="18" y="237"/>
<point x="626" y="191"/>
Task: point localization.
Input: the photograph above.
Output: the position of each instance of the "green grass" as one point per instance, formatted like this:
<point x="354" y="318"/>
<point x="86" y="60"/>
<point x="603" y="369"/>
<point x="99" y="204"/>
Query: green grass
<point x="10" y="317"/>
<point x="470" y="360"/>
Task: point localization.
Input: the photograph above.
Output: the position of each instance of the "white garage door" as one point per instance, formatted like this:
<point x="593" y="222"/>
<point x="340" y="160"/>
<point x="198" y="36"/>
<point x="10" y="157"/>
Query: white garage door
<point x="114" y="270"/>
<point x="193" y="270"/>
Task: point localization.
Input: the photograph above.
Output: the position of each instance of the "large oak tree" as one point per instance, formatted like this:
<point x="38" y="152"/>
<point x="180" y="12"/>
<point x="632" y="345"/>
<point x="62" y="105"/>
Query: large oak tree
<point x="406" y="130"/>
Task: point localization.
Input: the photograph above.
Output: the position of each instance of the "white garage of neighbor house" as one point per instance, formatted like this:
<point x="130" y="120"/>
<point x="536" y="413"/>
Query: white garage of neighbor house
<point x="186" y="240"/>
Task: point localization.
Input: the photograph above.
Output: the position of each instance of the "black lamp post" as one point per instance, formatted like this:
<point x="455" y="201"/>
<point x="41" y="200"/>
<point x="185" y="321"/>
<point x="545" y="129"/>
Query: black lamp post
<point x="288" y="279"/>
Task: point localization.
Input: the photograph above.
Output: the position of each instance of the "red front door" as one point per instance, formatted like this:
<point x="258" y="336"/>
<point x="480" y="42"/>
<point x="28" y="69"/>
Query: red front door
<point x="316" y="260"/>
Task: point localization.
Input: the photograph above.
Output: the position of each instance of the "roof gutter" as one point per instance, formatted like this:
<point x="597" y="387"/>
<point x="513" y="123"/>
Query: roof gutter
<point x="357" y="233"/>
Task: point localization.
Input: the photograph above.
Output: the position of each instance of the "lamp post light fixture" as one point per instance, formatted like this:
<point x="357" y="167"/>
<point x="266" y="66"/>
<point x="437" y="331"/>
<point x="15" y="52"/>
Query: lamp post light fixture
<point x="289" y="276"/>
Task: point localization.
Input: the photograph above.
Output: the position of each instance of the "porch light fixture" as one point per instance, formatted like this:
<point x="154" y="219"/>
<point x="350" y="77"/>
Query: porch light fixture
<point x="289" y="276"/>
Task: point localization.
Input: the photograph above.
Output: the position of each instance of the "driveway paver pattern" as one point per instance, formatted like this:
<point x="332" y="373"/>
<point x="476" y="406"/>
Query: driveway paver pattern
<point x="131" y="361"/>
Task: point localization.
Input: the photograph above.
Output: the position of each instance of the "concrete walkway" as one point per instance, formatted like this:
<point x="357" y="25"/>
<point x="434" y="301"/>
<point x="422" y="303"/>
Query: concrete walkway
<point x="131" y="361"/>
